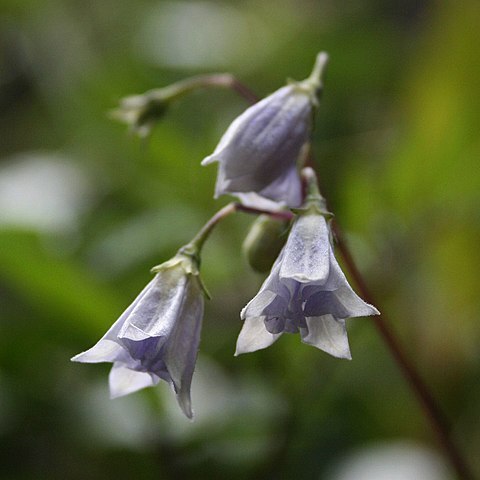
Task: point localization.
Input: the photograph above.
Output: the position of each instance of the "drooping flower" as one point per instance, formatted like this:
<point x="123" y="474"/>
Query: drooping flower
<point x="306" y="292"/>
<point x="158" y="335"/>
<point x="258" y="153"/>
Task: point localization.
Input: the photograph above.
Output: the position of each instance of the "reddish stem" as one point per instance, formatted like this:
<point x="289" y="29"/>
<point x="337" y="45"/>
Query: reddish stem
<point x="429" y="405"/>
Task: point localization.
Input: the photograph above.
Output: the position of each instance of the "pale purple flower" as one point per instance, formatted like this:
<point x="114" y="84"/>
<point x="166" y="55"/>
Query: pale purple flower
<point x="158" y="335"/>
<point x="258" y="153"/>
<point x="306" y="292"/>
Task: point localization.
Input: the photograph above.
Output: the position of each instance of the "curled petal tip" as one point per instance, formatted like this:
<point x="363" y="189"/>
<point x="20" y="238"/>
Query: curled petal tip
<point x="185" y="404"/>
<point x="208" y="160"/>
<point x="238" y="352"/>
<point x="369" y="310"/>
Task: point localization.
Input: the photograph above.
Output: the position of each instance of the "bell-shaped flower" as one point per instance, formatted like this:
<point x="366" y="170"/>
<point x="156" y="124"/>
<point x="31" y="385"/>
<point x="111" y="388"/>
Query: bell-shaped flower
<point x="259" y="152"/>
<point x="158" y="335"/>
<point x="306" y="292"/>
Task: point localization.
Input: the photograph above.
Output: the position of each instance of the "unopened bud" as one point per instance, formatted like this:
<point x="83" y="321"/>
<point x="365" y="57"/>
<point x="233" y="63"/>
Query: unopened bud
<point x="264" y="242"/>
<point x="259" y="151"/>
<point x="141" y="112"/>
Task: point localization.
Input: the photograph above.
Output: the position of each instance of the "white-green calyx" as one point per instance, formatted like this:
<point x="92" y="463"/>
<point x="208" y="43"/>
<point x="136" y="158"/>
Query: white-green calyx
<point x="314" y="83"/>
<point x="314" y="202"/>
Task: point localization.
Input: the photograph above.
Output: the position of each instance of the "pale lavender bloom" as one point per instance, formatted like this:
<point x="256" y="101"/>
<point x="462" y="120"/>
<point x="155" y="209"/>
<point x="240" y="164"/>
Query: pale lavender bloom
<point x="157" y="337"/>
<point x="306" y="292"/>
<point x="258" y="153"/>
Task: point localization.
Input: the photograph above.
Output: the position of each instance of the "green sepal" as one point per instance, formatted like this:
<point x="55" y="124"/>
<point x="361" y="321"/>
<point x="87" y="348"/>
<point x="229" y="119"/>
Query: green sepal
<point x="313" y="208"/>
<point x="312" y="86"/>
<point x="203" y="287"/>
<point x="264" y="241"/>
<point x="189" y="258"/>
<point x="307" y="89"/>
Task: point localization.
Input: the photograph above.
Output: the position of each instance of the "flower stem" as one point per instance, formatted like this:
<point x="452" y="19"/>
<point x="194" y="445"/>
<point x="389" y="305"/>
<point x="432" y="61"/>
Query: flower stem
<point x="430" y="407"/>
<point x="197" y="242"/>
<point x="316" y="77"/>
<point x="424" y="396"/>
<point x="186" y="86"/>
<point x="199" y="239"/>
<point x="278" y="214"/>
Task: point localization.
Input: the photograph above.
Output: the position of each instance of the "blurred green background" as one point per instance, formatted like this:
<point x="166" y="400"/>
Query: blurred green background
<point x="86" y="210"/>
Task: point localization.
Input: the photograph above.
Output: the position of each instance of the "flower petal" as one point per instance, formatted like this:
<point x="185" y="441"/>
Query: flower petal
<point x="181" y="348"/>
<point x="107" y="348"/>
<point x="122" y="380"/>
<point x="257" y="305"/>
<point x="254" y="200"/>
<point x="283" y="191"/>
<point x="276" y="308"/>
<point x="253" y="119"/>
<point x="327" y="334"/>
<point x="259" y="150"/>
<point x="307" y="251"/>
<point x="254" y="336"/>
<point x="341" y="303"/>
<point x="286" y="188"/>
<point x="103" y="351"/>
<point x="156" y="314"/>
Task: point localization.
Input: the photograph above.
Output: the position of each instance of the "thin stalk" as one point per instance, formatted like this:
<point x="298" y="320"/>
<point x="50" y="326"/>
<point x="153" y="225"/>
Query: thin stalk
<point x="424" y="396"/>
<point x="243" y="90"/>
<point x="200" y="238"/>
<point x="222" y="80"/>
<point x="429" y="405"/>
<point x="279" y="214"/>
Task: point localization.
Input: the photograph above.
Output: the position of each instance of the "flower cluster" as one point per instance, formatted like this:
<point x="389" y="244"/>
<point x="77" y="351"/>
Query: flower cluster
<point x="260" y="158"/>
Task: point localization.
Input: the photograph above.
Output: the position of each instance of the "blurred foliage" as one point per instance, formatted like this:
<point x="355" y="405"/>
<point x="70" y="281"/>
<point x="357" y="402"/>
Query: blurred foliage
<point x="397" y="143"/>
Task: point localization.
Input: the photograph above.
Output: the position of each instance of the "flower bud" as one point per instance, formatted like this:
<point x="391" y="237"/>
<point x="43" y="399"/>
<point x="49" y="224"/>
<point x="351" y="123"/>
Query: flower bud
<point x="264" y="241"/>
<point x="141" y="112"/>
<point x="259" y="153"/>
